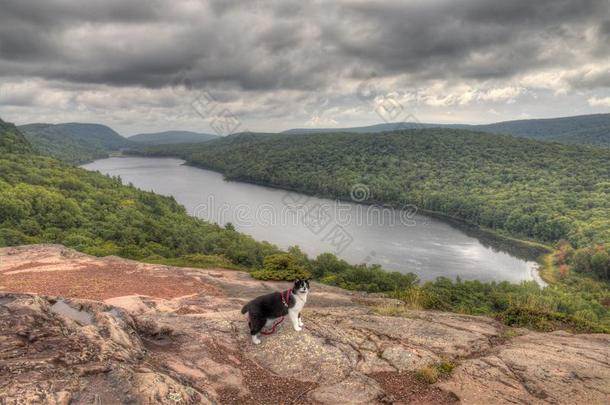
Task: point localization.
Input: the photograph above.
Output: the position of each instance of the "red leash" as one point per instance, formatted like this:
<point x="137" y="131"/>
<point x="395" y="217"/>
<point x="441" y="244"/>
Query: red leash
<point x="275" y="325"/>
<point x="285" y="301"/>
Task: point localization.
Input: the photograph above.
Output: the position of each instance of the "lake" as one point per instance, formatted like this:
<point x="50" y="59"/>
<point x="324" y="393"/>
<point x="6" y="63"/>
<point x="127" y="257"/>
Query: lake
<point x="400" y="240"/>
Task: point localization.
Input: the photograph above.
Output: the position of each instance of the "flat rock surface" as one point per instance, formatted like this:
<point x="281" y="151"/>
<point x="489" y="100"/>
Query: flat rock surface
<point x="79" y="329"/>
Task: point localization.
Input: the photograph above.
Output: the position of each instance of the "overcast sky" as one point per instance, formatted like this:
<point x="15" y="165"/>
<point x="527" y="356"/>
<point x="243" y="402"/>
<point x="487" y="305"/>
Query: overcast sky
<point x="226" y="65"/>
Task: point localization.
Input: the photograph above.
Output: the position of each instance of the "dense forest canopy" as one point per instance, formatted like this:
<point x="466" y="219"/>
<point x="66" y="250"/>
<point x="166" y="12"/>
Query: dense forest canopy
<point x="593" y="129"/>
<point x="43" y="200"/>
<point x="170" y="137"/>
<point x="12" y="140"/>
<point x="544" y="191"/>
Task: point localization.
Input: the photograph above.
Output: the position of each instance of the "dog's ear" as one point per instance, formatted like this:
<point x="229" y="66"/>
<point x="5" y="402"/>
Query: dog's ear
<point x="297" y="281"/>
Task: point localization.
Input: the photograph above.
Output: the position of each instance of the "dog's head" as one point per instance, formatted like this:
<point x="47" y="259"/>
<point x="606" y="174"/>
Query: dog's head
<point x="301" y="286"/>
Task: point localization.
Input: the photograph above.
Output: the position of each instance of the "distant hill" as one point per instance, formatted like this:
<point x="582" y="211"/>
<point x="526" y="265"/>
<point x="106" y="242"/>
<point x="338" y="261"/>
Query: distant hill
<point x="386" y="127"/>
<point x="12" y="140"/>
<point x="170" y="137"/>
<point x="74" y="142"/>
<point x="583" y="129"/>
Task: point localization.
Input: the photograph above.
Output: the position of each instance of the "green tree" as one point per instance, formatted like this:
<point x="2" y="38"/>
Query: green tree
<point x="281" y="266"/>
<point x="600" y="263"/>
<point x="582" y="261"/>
<point x="327" y="264"/>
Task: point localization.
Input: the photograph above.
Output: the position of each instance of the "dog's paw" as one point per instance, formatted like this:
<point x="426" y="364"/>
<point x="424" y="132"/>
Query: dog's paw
<point x="300" y="324"/>
<point x="298" y="328"/>
<point x="256" y="340"/>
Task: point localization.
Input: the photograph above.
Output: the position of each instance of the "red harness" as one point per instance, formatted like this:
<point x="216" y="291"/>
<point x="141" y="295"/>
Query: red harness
<point x="286" y="299"/>
<point x="286" y="302"/>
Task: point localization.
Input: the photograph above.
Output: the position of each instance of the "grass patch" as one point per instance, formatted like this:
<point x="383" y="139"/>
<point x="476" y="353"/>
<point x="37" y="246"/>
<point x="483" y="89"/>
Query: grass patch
<point x="445" y="367"/>
<point x="392" y="310"/>
<point x="549" y="321"/>
<point x="427" y="374"/>
<point x="432" y="373"/>
<point x="575" y="302"/>
<point x="509" y="334"/>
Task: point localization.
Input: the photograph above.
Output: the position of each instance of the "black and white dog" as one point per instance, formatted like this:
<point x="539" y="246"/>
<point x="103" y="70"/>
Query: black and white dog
<point x="266" y="309"/>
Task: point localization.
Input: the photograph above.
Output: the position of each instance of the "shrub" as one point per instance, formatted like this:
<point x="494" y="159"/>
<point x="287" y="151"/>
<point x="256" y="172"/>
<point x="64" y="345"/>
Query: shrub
<point x="102" y="248"/>
<point x="548" y="321"/>
<point x="11" y="237"/>
<point x="432" y="373"/>
<point x="281" y="266"/>
<point x="373" y="279"/>
<point x="564" y="270"/>
<point x="582" y="261"/>
<point x="427" y="374"/>
<point x="600" y="263"/>
<point x="328" y="263"/>
<point x="78" y="241"/>
<point x="445" y="367"/>
<point x="586" y="315"/>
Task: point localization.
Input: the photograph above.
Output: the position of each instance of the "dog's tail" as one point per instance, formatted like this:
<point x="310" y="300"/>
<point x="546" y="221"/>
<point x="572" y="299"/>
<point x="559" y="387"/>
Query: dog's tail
<point x="245" y="308"/>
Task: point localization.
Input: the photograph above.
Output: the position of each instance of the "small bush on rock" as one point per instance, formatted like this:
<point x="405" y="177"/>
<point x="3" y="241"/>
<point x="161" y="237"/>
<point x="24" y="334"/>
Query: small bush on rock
<point x="281" y="267"/>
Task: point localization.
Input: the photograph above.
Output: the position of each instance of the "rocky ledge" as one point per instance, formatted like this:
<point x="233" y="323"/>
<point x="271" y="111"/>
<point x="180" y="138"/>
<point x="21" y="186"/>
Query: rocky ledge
<point x="78" y="329"/>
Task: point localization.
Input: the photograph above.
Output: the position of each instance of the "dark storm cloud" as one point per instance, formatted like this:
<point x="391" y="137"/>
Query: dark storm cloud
<point x="37" y="33"/>
<point x="470" y="37"/>
<point x="289" y="44"/>
<point x="57" y="12"/>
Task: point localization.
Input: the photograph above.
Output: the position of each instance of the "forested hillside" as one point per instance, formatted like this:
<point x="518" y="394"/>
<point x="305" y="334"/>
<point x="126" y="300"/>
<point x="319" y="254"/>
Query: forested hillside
<point x="74" y="142"/>
<point x="538" y="190"/>
<point x="583" y="129"/>
<point x="171" y="137"/>
<point x="43" y="200"/>
<point x="11" y="139"/>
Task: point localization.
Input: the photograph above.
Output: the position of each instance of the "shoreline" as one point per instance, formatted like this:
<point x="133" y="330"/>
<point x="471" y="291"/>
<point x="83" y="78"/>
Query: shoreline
<point x="522" y="242"/>
<point x="537" y="249"/>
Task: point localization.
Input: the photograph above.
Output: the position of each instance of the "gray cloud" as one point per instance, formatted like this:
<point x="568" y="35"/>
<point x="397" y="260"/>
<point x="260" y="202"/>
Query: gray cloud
<point x="278" y="51"/>
<point x="141" y="43"/>
<point x="473" y="38"/>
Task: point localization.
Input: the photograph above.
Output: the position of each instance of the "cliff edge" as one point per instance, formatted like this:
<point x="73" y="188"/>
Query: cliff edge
<point x="80" y="329"/>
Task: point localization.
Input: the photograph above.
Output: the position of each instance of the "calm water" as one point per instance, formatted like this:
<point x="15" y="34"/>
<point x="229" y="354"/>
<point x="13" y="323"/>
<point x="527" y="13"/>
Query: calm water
<point x="400" y="240"/>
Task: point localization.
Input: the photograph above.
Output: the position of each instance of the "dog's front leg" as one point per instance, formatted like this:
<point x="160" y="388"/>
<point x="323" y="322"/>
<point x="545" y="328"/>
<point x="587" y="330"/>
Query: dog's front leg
<point x="300" y="320"/>
<point x="294" y="318"/>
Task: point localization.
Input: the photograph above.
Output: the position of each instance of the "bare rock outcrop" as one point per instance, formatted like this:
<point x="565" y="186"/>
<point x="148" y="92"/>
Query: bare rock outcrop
<point x="177" y="336"/>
